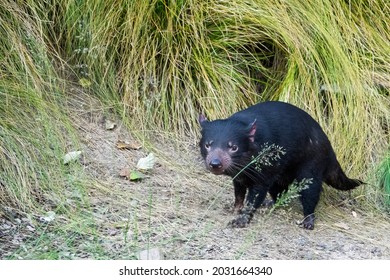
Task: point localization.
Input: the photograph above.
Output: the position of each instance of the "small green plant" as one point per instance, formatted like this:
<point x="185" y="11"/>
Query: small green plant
<point x="293" y="191"/>
<point x="267" y="155"/>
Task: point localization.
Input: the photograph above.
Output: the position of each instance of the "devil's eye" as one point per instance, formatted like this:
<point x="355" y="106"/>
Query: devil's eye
<point x="207" y="145"/>
<point x="232" y="147"/>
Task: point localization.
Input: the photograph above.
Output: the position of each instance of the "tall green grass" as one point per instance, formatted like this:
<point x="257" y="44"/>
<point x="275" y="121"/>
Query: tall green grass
<point x="34" y="131"/>
<point x="383" y="175"/>
<point x="199" y="52"/>
<point x="161" y="62"/>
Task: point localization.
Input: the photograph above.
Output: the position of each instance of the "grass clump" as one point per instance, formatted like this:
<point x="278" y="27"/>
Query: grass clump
<point x="159" y="63"/>
<point x="35" y="132"/>
<point x="383" y="175"/>
<point x="32" y="125"/>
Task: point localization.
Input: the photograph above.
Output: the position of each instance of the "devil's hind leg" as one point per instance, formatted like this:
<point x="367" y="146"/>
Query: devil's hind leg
<point x="309" y="198"/>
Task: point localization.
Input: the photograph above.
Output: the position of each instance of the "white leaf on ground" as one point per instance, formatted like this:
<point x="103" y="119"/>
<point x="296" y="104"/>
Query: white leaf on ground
<point x="72" y="156"/>
<point x="146" y="162"/>
<point x="50" y="216"/>
<point x="109" y="125"/>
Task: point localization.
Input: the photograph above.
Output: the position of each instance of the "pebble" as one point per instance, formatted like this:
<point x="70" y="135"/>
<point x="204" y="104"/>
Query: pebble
<point x="151" y="254"/>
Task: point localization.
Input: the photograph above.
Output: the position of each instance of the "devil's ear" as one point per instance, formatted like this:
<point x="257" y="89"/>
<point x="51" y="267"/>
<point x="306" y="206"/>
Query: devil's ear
<point x="201" y="119"/>
<point x="252" y="131"/>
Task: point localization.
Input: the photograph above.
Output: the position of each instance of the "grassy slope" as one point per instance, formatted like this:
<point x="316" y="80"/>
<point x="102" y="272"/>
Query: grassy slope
<point x="161" y="62"/>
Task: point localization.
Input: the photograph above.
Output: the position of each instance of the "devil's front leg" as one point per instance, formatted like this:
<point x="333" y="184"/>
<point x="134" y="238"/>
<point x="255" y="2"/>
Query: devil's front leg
<point x="256" y="196"/>
<point x="239" y="194"/>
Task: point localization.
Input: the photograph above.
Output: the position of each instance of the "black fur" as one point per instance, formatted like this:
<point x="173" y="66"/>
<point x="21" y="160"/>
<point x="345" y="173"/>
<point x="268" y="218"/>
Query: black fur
<point x="229" y="145"/>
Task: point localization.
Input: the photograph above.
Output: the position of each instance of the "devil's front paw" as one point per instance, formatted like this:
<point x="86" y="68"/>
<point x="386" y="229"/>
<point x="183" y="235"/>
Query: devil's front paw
<point x="241" y="221"/>
<point x="308" y="222"/>
<point x="268" y="203"/>
<point x="237" y="209"/>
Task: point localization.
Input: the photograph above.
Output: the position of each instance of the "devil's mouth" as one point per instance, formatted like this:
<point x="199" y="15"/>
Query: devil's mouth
<point x="217" y="171"/>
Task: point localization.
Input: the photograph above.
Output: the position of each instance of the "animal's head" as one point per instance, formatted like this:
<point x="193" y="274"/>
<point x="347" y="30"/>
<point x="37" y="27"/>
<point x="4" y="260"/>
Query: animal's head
<point x="225" y="144"/>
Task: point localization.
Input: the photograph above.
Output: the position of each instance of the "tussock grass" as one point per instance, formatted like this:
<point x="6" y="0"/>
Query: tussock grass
<point x="383" y="177"/>
<point x="159" y="63"/>
<point x="35" y="133"/>
<point x="31" y="123"/>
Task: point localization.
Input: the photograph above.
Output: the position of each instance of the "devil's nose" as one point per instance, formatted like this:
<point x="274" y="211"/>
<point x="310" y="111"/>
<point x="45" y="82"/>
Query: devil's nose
<point x="215" y="163"/>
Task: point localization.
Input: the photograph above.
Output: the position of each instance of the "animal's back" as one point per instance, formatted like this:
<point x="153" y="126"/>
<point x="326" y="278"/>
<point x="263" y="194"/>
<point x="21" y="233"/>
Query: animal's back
<point x="289" y="127"/>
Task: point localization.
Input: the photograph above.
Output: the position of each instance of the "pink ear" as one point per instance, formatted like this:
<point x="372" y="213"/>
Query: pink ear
<point x="201" y="118"/>
<point x="252" y="131"/>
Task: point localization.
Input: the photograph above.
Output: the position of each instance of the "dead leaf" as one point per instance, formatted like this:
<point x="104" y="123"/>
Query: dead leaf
<point x="146" y="162"/>
<point x="128" y="145"/>
<point x="132" y="175"/>
<point x="342" y="226"/>
<point x="125" y="172"/>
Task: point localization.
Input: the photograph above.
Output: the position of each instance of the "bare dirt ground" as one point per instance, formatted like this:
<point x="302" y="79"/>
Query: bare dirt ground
<point x="184" y="212"/>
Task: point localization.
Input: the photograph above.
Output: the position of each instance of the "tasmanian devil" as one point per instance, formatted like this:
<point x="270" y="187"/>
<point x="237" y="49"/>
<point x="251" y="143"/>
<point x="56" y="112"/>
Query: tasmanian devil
<point x="229" y="146"/>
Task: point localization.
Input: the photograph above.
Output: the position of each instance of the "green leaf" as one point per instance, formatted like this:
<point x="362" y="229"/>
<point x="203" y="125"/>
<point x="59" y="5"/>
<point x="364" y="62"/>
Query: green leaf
<point x="85" y="83"/>
<point x="136" y="176"/>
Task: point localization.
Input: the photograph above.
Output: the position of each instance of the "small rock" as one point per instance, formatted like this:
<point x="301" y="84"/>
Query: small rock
<point x="151" y="254"/>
